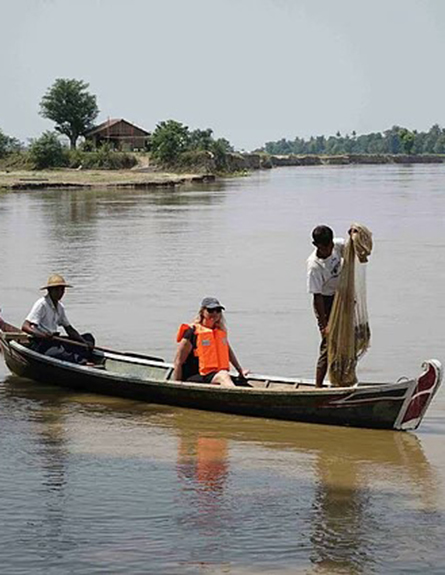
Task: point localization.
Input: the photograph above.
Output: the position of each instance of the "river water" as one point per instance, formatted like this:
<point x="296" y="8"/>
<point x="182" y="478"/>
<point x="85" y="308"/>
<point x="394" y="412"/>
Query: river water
<point x="101" y="485"/>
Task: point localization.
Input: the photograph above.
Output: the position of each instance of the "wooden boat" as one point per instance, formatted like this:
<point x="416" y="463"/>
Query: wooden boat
<point x="400" y="405"/>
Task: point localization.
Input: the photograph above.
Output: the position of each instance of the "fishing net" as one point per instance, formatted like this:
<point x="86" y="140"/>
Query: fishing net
<point x="349" y="334"/>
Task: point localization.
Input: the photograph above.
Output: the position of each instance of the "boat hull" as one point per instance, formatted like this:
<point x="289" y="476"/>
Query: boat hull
<point x="399" y="405"/>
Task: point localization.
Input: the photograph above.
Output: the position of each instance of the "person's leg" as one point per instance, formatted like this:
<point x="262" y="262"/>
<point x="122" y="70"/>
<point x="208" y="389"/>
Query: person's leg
<point x="79" y="353"/>
<point x="59" y="352"/>
<point x="223" y="378"/>
<point x="198" y="378"/>
<point x="322" y="363"/>
<point x="40" y="345"/>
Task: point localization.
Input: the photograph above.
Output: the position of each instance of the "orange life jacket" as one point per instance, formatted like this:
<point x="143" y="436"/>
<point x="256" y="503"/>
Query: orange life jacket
<point x="212" y="348"/>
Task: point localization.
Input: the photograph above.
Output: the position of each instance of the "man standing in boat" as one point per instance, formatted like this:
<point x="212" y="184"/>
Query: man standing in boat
<point x="323" y="273"/>
<point x="44" y="320"/>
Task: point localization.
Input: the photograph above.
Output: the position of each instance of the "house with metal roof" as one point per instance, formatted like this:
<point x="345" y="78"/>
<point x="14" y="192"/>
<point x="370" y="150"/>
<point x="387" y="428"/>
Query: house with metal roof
<point x="122" y="135"/>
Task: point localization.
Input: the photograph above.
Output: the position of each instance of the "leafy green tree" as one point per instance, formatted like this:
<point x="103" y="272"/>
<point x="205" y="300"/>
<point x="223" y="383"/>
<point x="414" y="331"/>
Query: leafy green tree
<point x="431" y="138"/>
<point x="8" y="145"/>
<point x="71" y="107"/>
<point x="439" y="146"/>
<point x="47" y="152"/>
<point x="201" y="139"/>
<point x="220" y="148"/>
<point x="168" y="141"/>
<point x="407" y="139"/>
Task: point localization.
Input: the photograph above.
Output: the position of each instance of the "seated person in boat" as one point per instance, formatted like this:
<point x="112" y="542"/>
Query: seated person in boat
<point x="204" y="353"/>
<point x="44" y="320"/>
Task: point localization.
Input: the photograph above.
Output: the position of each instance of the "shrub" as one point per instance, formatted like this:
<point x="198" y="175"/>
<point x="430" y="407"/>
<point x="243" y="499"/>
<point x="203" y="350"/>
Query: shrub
<point x="87" y="146"/>
<point x="16" y="161"/>
<point x="200" y="160"/>
<point x="168" y="141"/>
<point x="8" y="145"/>
<point x="105" y="158"/>
<point x="74" y="158"/>
<point x="47" y="152"/>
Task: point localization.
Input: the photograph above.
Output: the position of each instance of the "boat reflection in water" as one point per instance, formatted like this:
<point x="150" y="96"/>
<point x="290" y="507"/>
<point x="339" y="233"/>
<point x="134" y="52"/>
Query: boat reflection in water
<point x="252" y="492"/>
<point x="353" y="472"/>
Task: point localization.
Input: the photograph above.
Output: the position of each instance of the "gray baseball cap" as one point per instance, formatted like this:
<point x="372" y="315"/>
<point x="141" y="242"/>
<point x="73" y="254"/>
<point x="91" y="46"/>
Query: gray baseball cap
<point x="211" y="303"/>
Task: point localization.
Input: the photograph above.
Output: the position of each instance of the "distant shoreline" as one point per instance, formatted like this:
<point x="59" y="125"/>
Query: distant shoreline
<point x="262" y="160"/>
<point x="347" y="159"/>
<point x="237" y="163"/>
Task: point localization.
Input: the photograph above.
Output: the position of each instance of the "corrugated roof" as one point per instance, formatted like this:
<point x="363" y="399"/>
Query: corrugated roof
<point x="111" y="122"/>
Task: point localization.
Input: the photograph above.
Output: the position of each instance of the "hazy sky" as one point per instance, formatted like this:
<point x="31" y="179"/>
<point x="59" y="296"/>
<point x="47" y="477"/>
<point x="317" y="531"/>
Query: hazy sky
<point x="252" y="70"/>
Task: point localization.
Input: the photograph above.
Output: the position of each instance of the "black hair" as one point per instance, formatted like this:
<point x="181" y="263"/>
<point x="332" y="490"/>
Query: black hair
<point x="322" y="236"/>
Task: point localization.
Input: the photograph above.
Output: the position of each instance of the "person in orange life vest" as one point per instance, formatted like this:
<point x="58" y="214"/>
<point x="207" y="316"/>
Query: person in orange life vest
<point x="206" y="339"/>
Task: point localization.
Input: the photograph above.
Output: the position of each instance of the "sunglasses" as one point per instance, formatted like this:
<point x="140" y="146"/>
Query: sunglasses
<point x="214" y="309"/>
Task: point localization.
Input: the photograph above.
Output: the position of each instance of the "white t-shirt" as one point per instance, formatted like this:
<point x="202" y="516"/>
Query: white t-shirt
<point x="46" y="316"/>
<point x="323" y="274"/>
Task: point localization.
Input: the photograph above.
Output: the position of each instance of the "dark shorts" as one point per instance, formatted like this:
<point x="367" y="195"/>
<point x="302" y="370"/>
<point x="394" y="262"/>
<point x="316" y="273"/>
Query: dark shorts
<point x="198" y="378"/>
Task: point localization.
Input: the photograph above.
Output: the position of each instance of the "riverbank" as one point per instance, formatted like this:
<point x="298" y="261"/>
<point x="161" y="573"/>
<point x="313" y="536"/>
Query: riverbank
<point x="65" y="178"/>
<point x="148" y="178"/>
<point x="257" y="161"/>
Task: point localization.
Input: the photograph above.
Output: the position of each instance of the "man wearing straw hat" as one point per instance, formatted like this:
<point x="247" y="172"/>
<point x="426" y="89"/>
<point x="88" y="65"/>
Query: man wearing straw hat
<point x="44" y="320"/>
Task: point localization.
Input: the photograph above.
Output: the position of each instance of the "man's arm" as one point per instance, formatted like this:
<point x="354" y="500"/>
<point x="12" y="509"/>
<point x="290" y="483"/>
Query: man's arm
<point x="34" y="319"/>
<point x="75" y="335"/>
<point x="32" y="329"/>
<point x="320" y="313"/>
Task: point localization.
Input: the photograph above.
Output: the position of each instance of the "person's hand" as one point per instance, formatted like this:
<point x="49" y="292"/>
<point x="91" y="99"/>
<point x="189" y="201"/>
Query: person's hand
<point x="244" y="373"/>
<point x="325" y="331"/>
<point x="89" y="344"/>
<point x="43" y="334"/>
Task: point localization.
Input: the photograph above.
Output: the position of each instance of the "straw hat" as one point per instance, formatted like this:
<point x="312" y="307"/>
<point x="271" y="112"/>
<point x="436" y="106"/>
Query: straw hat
<point x="55" y="280"/>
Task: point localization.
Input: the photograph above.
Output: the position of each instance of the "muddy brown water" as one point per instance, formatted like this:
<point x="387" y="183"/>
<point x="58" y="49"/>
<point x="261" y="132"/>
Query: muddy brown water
<point x="103" y="485"/>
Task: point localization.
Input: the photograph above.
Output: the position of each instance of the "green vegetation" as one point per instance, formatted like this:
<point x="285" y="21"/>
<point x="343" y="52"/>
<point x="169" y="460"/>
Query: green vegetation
<point x="8" y="145"/>
<point x="71" y="107"/>
<point x="172" y="144"/>
<point x="397" y="140"/>
<point x="104" y="158"/>
<point x="47" y="152"/>
<point x="168" y="141"/>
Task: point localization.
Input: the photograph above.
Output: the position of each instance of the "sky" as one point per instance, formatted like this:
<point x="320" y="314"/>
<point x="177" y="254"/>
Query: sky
<point x="252" y="70"/>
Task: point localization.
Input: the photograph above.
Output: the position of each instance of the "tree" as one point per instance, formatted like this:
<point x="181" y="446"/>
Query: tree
<point x="392" y="138"/>
<point x="201" y="139"/>
<point x="220" y="148"/>
<point x="169" y="140"/>
<point x="47" y="151"/>
<point x="8" y="144"/>
<point x="407" y="139"/>
<point x="71" y="107"/>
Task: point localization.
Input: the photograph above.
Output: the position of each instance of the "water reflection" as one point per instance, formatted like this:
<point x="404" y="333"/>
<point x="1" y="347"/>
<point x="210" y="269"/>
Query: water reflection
<point x="36" y="423"/>
<point x="203" y="469"/>
<point x="68" y="207"/>
<point x="340" y="525"/>
<point x="53" y="451"/>
<point x="339" y="531"/>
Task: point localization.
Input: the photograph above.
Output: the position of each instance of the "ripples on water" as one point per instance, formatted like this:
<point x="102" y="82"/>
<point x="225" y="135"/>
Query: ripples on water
<point x="104" y="485"/>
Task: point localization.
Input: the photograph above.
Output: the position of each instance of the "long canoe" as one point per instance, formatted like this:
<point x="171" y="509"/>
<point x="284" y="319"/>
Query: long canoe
<point x="399" y="405"/>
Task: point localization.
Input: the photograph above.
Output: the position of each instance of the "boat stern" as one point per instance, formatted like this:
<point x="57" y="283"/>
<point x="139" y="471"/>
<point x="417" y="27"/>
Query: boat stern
<point x="419" y="396"/>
